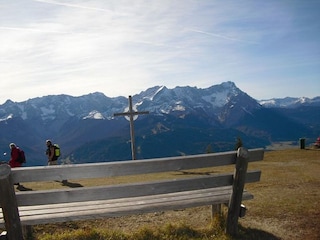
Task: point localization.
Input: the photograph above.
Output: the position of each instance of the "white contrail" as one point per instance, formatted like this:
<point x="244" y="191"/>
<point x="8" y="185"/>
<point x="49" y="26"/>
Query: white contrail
<point x="31" y="30"/>
<point x="73" y="5"/>
<point x="221" y="36"/>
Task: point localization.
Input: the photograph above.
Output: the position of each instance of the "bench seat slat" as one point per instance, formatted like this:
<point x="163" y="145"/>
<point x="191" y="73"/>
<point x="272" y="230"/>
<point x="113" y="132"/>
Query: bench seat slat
<point x="110" y="208"/>
<point x="176" y="195"/>
<point x="127" y="190"/>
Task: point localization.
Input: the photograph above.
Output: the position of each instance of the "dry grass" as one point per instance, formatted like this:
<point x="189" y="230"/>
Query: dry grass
<point x="285" y="205"/>
<point x="286" y="200"/>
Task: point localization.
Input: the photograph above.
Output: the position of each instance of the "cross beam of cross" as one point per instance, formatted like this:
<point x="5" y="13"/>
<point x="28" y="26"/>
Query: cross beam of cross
<point x="131" y="113"/>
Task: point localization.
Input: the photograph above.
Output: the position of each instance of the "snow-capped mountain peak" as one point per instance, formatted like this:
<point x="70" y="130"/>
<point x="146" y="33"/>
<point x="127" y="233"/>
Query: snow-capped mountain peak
<point x="289" y="102"/>
<point x="188" y="116"/>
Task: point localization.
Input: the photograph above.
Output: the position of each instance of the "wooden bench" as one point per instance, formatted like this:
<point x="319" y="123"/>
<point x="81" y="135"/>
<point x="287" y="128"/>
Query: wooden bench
<point x="185" y="187"/>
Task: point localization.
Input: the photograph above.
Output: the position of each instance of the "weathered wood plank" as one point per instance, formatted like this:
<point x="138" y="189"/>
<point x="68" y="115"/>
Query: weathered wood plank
<point x="237" y="191"/>
<point x="96" y="205"/>
<point x="127" y="190"/>
<point x="121" y="168"/>
<point x="119" y="207"/>
<point x="215" y="191"/>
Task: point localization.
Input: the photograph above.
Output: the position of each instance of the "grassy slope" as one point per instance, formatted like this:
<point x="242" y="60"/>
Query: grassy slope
<point x="285" y="205"/>
<point x="287" y="198"/>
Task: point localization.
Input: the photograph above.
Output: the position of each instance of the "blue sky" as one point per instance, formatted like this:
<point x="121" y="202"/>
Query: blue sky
<point x="270" y="49"/>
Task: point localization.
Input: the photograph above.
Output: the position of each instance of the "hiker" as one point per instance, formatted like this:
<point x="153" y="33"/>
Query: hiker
<point x="14" y="160"/>
<point x="53" y="153"/>
<point x="50" y="152"/>
<point x="15" y="155"/>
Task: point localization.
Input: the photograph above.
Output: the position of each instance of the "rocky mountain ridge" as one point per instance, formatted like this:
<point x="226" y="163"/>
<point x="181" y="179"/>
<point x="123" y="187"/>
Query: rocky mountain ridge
<point x="183" y="120"/>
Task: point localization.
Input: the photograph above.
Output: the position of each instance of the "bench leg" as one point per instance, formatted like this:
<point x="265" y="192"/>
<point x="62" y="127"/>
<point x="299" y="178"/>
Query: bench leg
<point x="216" y="209"/>
<point x="27" y="231"/>
<point x="9" y="204"/>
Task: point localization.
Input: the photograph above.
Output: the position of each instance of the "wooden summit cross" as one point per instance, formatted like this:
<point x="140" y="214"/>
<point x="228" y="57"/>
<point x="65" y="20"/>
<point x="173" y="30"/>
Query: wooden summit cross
<point x="131" y="113"/>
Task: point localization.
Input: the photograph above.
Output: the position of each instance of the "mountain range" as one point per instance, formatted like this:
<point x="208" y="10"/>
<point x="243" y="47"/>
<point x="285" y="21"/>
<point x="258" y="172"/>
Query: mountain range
<point x="181" y="121"/>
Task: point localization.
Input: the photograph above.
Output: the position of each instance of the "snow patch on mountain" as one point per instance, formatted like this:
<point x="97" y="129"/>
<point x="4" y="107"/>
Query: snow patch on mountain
<point x="165" y="111"/>
<point x="94" y="115"/>
<point x="218" y="99"/>
<point x="149" y="94"/>
<point x="157" y="91"/>
<point x="179" y="107"/>
<point x="6" y="118"/>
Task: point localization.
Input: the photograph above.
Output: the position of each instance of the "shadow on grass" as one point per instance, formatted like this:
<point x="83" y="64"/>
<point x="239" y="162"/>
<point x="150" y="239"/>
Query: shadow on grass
<point x="23" y="188"/>
<point x="70" y="184"/>
<point x="193" y="173"/>
<point x="254" y="234"/>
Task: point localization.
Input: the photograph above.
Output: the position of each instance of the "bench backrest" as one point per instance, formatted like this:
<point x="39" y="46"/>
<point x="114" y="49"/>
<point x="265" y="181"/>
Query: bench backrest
<point x="125" y="168"/>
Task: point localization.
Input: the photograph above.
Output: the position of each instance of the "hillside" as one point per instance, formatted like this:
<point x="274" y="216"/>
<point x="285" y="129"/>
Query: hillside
<point x="285" y="205"/>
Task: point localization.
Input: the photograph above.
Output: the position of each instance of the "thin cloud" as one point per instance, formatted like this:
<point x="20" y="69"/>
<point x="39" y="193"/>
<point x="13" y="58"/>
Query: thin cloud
<point x="32" y="30"/>
<point x="75" y="6"/>
<point x="221" y="36"/>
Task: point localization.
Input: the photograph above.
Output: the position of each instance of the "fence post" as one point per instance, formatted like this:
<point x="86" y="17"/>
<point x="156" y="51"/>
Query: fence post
<point x="237" y="191"/>
<point x="9" y="204"/>
<point x="302" y="143"/>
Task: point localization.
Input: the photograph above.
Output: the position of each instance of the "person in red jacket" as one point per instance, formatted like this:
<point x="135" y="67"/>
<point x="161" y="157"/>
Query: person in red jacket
<point x="15" y="153"/>
<point x="14" y="161"/>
